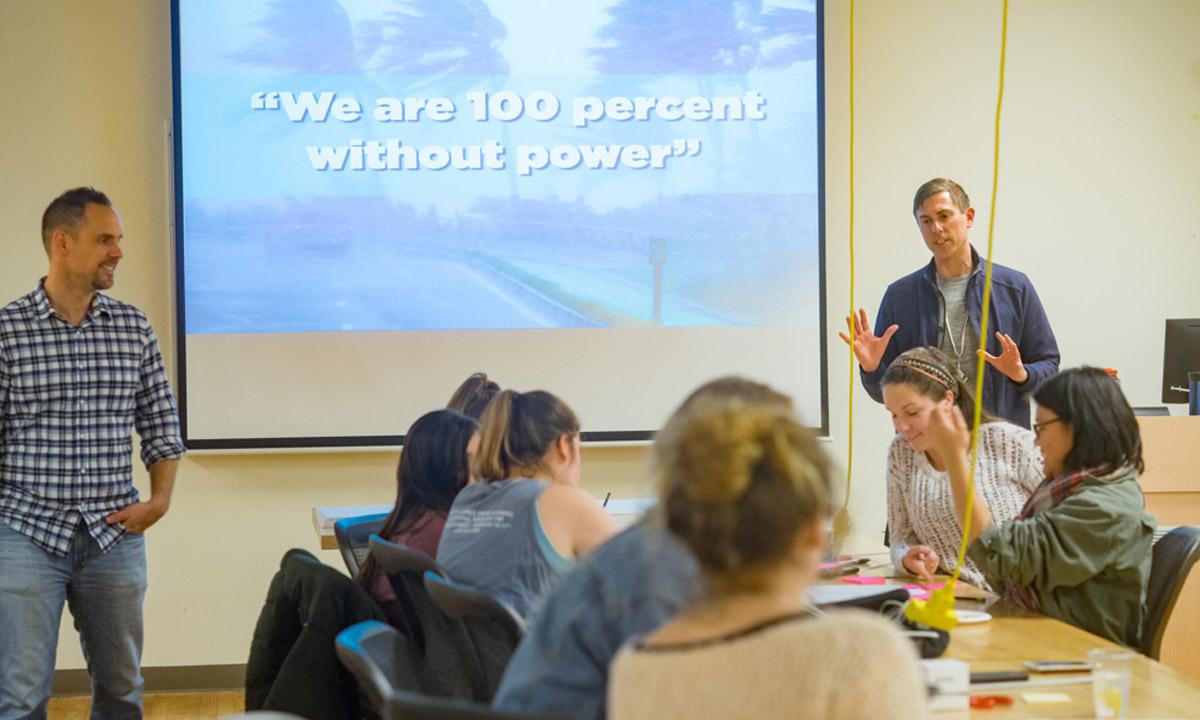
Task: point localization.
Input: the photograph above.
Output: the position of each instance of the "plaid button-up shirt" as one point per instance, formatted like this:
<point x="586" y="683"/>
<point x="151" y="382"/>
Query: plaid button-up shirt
<point x="70" y="397"/>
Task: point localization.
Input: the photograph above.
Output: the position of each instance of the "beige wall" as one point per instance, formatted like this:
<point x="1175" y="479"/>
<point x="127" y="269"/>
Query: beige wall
<point x="1098" y="203"/>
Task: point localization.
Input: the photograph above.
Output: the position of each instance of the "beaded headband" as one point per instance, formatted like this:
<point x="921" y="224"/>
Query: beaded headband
<point x="928" y="369"/>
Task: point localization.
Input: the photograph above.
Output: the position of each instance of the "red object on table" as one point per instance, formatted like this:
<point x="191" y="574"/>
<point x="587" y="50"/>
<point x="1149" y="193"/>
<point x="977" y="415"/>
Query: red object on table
<point x="982" y="702"/>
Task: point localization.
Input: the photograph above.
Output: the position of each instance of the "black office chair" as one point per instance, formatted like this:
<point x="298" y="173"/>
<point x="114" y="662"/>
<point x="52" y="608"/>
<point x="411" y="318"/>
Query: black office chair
<point x="463" y="602"/>
<point x="352" y="534"/>
<point x="378" y="657"/>
<point x="413" y="612"/>
<point x="449" y="657"/>
<point x="492" y="627"/>
<point x="1173" y="557"/>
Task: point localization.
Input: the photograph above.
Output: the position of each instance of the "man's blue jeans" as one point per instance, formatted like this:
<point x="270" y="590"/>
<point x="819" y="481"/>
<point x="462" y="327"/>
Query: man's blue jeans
<point x="104" y="592"/>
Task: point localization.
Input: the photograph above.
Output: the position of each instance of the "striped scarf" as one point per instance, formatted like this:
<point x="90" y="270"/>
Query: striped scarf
<point x="1045" y="496"/>
<point x="1052" y="492"/>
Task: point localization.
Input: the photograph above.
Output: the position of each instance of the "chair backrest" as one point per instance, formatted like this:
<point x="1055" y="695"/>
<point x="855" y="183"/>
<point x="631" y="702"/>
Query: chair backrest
<point x="394" y="557"/>
<point x="463" y="602"/>
<point x="352" y="534"/>
<point x="493" y="629"/>
<point x="375" y="654"/>
<point x="453" y="658"/>
<point x="412" y="611"/>
<point x="1173" y="557"/>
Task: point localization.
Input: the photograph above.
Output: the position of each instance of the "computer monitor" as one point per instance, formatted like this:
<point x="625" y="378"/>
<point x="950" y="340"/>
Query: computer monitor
<point x="1181" y="355"/>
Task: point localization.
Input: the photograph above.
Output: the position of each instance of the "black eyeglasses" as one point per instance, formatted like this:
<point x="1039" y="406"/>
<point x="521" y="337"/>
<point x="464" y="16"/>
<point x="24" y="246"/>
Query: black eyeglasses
<point x="1038" y="427"/>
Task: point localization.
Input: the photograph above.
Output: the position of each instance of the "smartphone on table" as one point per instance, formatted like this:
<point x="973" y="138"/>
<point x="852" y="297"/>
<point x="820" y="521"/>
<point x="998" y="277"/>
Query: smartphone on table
<point x="1058" y="666"/>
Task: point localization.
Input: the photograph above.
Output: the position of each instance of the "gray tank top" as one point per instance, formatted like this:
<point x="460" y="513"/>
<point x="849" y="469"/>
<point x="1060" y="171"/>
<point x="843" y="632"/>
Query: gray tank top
<point x="494" y="541"/>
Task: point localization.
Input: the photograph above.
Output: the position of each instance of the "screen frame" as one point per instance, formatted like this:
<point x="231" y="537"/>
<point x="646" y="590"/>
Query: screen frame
<point x="633" y="437"/>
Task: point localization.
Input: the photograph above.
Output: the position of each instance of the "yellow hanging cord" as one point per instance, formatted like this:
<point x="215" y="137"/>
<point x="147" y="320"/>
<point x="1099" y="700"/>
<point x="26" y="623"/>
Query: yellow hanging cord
<point x="987" y="297"/>
<point x="939" y="610"/>
<point x="841" y="521"/>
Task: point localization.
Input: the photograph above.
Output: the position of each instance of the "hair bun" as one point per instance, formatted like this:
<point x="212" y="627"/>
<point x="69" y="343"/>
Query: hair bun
<point x="718" y="452"/>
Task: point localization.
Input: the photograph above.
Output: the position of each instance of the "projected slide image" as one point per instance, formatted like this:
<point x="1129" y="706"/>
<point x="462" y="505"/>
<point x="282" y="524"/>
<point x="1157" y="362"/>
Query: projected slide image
<point x="368" y="165"/>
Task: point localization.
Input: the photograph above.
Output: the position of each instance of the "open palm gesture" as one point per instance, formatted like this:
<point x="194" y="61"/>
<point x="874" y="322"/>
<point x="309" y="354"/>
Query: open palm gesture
<point x="868" y="347"/>
<point x="1009" y="359"/>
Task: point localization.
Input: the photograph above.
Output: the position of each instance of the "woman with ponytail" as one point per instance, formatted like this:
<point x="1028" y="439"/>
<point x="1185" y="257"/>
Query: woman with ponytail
<point x="924" y="532"/>
<point x="525" y="520"/>
<point x="747" y="490"/>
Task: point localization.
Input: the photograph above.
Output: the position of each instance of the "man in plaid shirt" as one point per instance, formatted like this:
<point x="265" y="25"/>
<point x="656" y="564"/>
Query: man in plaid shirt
<point x="78" y="372"/>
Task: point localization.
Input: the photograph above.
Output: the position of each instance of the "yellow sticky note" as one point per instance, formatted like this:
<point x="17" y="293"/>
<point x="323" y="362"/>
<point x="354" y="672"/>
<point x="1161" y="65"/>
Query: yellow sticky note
<point x="1045" y="698"/>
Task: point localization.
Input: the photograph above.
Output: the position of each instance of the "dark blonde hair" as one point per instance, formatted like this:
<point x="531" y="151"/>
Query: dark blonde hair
<point x="517" y="430"/>
<point x="932" y="372"/>
<point x="740" y="478"/>
<point x="474" y="395"/>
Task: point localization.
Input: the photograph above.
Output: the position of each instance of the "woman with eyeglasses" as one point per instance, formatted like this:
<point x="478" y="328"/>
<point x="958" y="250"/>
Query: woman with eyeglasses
<point x="1080" y="549"/>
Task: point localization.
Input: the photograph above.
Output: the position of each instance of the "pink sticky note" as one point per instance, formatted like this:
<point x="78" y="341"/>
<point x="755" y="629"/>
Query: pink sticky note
<point x="917" y="592"/>
<point x="864" y="580"/>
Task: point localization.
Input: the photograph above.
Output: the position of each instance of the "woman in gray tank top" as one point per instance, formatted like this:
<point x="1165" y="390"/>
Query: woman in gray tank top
<point x="525" y="520"/>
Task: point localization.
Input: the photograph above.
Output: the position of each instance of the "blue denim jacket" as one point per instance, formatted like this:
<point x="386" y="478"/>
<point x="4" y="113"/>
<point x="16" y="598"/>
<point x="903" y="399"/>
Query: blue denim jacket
<point x="629" y="586"/>
<point x="913" y="303"/>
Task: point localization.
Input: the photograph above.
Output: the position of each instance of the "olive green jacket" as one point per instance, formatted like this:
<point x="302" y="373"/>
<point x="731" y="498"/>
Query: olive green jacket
<point x="1087" y="559"/>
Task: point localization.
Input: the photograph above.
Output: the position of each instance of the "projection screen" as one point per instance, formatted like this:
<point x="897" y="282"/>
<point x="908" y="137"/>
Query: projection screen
<point x="614" y="200"/>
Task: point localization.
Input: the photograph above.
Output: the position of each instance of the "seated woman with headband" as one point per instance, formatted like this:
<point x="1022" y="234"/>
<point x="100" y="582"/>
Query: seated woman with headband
<point x="924" y="530"/>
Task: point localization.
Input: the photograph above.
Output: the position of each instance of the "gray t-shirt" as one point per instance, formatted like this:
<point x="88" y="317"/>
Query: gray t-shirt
<point x="958" y="337"/>
<point x="493" y="541"/>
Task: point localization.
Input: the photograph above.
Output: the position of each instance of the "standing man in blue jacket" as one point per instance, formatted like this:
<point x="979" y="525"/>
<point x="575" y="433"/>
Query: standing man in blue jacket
<point x="941" y="305"/>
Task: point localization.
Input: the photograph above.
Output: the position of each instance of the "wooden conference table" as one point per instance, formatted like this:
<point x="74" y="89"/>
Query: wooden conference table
<point x="1013" y="636"/>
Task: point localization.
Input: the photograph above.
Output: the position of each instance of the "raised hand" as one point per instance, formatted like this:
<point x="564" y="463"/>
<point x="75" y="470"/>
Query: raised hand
<point x="868" y="348"/>
<point x="1009" y="359"/>
<point x="949" y="441"/>
<point x="947" y="432"/>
